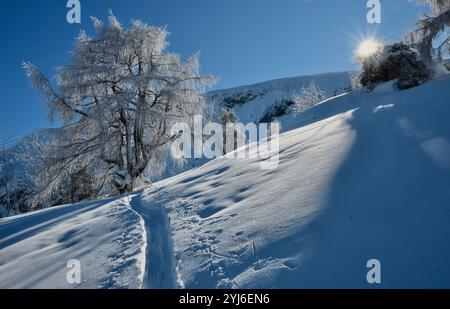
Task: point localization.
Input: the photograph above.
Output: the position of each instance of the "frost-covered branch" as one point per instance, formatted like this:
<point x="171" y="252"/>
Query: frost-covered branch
<point x="430" y="27"/>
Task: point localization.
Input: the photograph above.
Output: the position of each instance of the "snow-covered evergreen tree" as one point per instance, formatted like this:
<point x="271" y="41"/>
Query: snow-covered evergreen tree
<point x="117" y="100"/>
<point x="403" y="63"/>
<point x="398" y="61"/>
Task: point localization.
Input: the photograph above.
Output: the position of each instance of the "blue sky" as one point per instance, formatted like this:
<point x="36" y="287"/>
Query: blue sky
<point x="241" y="41"/>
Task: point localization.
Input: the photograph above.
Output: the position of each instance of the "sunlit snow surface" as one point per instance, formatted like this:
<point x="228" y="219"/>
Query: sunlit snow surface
<point x="361" y="176"/>
<point x="107" y="237"/>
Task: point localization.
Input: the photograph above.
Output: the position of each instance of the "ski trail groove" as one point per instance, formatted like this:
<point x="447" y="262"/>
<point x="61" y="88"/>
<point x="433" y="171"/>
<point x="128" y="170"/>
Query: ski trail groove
<point x="160" y="263"/>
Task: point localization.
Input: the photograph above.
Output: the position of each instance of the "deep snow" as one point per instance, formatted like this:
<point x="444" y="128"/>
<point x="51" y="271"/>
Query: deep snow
<point x="361" y="176"/>
<point x="107" y="237"/>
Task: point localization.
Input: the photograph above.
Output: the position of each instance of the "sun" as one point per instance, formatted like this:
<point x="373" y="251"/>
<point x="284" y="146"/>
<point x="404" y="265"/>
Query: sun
<point x="368" y="47"/>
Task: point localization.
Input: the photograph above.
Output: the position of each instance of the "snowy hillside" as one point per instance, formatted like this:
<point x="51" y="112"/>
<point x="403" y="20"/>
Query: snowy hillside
<point x="19" y="164"/>
<point x="366" y="176"/>
<point x="249" y="103"/>
<point x="361" y="176"/>
<point x="253" y="101"/>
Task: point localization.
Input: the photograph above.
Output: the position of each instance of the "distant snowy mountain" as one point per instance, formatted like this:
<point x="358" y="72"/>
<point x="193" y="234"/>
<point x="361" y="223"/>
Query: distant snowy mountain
<point x="20" y="163"/>
<point x="361" y="176"/>
<point x="249" y="103"/>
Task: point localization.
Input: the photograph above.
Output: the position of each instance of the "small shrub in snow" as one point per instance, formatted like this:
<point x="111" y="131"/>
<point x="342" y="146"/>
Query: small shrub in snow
<point x="227" y="116"/>
<point x="308" y="97"/>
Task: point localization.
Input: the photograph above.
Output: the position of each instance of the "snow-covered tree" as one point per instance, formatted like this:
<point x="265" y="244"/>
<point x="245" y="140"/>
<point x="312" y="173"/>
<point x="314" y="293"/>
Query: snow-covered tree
<point x="308" y="97"/>
<point x="117" y="100"/>
<point x="403" y="63"/>
<point x="430" y="28"/>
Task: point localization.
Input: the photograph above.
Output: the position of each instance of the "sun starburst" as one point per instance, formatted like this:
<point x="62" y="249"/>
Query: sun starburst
<point x="368" y="48"/>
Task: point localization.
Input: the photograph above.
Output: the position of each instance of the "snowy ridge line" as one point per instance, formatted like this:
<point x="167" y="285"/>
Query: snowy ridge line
<point x="279" y="83"/>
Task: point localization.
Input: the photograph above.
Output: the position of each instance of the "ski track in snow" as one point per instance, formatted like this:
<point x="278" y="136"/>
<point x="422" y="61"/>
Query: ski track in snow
<point x="160" y="272"/>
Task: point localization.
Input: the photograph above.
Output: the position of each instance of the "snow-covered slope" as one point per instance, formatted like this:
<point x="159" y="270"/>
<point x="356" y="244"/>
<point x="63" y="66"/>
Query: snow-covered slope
<point x="107" y="237"/>
<point x="361" y="176"/>
<point x="366" y="176"/>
